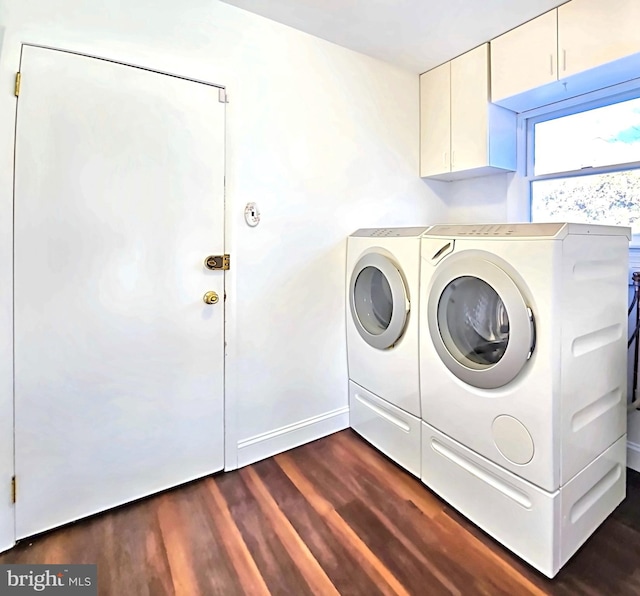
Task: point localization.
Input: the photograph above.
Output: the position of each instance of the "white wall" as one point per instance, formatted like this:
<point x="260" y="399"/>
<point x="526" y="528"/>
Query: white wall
<point x="478" y="200"/>
<point x="323" y="139"/>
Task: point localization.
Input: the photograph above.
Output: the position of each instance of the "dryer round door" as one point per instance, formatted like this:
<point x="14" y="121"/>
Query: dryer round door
<point x="480" y="325"/>
<point x="379" y="301"/>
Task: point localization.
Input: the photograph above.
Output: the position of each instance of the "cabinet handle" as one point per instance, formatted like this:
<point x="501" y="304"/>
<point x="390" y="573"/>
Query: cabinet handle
<point x="453" y="159"/>
<point x="551" y="62"/>
<point x="564" y="60"/>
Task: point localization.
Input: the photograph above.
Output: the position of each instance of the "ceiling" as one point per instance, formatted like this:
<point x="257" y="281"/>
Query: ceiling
<point x="413" y="34"/>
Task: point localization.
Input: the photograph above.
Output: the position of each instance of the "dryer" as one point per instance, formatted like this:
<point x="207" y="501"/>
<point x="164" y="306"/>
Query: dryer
<point x="382" y="290"/>
<point x="523" y="379"/>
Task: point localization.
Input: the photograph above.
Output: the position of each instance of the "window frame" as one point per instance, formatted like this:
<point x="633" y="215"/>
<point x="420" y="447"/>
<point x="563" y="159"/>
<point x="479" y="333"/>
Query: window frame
<point x="525" y="146"/>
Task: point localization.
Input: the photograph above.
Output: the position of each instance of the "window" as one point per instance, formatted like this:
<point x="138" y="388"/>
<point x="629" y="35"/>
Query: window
<point x="583" y="163"/>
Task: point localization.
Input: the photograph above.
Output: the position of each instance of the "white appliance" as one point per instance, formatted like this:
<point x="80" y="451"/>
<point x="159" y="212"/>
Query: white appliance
<point x="383" y="277"/>
<point x="523" y="379"/>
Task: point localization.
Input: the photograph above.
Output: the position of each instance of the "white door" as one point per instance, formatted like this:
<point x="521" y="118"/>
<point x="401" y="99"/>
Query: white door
<point x="119" y="197"/>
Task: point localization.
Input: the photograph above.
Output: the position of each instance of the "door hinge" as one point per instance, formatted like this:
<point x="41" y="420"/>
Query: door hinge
<point x="18" y="80"/>
<point x="14" y="489"/>
<point x="218" y="262"/>
<point x="222" y="96"/>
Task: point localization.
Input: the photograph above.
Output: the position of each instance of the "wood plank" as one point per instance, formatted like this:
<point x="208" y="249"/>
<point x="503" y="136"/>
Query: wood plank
<point x="295" y="546"/>
<point x="183" y="576"/>
<point x="246" y="568"/>
<point x="280" y="573"/>
<point x="499" y="572"/>
<point x="401" y="483"/>
<point x="129" y="551"/>
<point x="368" y="562"/>
<point x="215" y="572"/>
<point x="391" y="552"/>
<point x="403" y="520"/>
<point x="333" y="557"/>
<point x="334" y="488"/>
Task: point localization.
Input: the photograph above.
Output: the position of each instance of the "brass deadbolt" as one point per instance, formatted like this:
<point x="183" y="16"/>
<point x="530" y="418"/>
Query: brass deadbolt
<point x="210" y="298"/>
<point x="217" y="262"/>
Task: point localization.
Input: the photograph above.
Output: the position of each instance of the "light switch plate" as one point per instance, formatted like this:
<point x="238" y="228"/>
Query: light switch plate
<point x="252" y="214"/>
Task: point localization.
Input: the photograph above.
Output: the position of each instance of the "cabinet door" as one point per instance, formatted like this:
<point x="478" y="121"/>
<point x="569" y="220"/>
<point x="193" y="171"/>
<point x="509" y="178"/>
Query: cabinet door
<point x="593" y="32"/>
<point x="435" y="121"/>
<point x="526" y="57"/>
<point x="469" y="109"/>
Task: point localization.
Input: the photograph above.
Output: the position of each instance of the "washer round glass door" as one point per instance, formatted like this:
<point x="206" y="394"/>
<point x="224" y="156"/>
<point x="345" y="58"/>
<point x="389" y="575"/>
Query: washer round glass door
<point x="479" y="323"/>
<point x="378" y="300"/>
<point x="473" y="321"/>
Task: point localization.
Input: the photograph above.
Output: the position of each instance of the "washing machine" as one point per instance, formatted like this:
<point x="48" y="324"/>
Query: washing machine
<point x="382" y="287"/>
<point x="523" y="379"/>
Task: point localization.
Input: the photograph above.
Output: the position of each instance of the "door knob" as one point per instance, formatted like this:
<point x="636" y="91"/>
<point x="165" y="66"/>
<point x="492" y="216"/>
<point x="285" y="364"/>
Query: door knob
<point x="210" y="298"/>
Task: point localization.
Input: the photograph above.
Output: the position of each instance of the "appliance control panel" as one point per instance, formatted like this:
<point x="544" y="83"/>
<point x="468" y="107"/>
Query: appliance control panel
<point x="497" y="230"/>
<point x="389" y="232"/>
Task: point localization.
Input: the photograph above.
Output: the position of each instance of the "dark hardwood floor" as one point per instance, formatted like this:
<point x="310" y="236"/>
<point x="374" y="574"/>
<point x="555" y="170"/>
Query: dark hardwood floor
<point x="331" y="517"/>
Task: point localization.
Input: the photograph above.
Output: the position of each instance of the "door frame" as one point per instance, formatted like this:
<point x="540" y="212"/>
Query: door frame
<point x="230" y="279"/>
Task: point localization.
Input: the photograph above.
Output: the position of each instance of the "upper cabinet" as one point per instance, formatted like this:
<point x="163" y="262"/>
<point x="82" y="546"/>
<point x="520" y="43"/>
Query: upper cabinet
<point x="463" y="135"/>
<point x="592" y="33"/>
<point x="525" y="57"/>
<point x="581" y="46"/>
<point x="435" y="121"/>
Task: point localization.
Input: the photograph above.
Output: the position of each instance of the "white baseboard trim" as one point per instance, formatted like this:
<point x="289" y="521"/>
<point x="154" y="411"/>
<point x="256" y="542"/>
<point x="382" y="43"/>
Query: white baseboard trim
<point x="633" y="456"/>
<point x="287" y="437"/>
